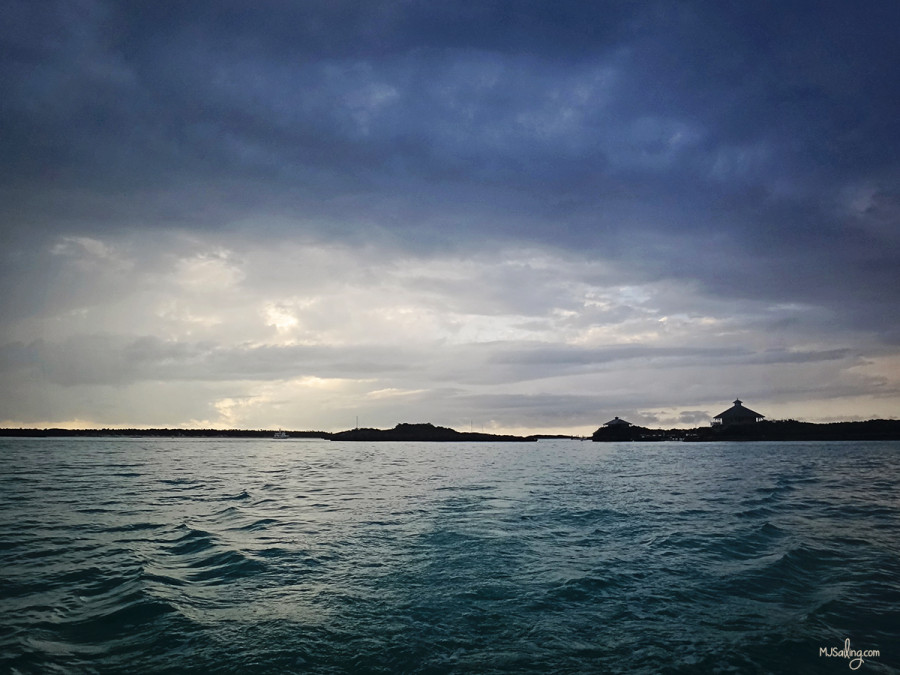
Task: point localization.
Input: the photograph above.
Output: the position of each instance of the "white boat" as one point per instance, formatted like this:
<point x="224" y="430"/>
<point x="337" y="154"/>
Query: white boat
<point x="280" y="434"/>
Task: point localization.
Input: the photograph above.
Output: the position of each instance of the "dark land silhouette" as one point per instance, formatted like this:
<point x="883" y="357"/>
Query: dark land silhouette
<point x="401" y="432"/>
<point x="423" y="432"/>
<point x="160" y="433"/>
<point x="776" y="430"/>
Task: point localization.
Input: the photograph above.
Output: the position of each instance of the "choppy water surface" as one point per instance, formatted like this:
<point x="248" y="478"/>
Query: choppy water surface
<point x="557" y="557"/>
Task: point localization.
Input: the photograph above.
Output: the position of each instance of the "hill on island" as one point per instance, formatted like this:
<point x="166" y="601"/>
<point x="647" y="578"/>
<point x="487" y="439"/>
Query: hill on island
<point x="423" y="432"/>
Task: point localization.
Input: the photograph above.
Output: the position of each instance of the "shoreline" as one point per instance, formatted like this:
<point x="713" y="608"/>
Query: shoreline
<point x="784" y="430"/>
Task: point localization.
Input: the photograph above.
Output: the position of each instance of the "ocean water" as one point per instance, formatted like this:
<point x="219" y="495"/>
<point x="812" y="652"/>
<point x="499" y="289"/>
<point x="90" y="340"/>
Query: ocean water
<point x="236" y="556"/>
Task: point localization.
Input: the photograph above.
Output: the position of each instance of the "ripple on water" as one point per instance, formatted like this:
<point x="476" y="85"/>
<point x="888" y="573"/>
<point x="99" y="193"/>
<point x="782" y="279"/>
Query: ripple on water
<point x="174" y="555"/>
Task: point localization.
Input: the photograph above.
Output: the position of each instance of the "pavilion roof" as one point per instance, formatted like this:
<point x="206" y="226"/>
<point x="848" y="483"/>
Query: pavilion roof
<point x="738" y="411"/>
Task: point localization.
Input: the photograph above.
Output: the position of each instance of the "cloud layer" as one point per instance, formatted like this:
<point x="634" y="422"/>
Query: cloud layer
<point x="520" y="215"/>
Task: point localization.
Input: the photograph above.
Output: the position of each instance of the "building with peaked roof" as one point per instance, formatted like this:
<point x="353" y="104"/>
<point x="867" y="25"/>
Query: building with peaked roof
<point x="737" y="414"/>
<point x="617" y="423"/>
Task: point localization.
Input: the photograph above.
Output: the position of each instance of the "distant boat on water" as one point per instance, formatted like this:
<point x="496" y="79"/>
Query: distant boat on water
<point x="280" y="434"/>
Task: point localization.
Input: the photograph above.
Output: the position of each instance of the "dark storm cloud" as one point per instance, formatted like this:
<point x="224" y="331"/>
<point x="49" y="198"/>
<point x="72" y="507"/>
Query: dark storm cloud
<point x="743" y="151"/>
<point x="578" y="123"/>
<point x="283" y="90"/>
<point x="581" y="124"/>
<point x="280" y="90"/>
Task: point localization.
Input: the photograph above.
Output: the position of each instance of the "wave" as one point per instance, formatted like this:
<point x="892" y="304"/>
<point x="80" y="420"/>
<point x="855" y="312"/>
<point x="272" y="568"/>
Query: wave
<point x="559" y="558"/>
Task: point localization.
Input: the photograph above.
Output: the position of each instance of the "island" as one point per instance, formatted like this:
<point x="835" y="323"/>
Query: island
<point x="56" y="432"/>
<point x="616" y="430"/>
<point x="401" y="432"/>
<point x="425" y="432"/>
<point x="774" y="430"/>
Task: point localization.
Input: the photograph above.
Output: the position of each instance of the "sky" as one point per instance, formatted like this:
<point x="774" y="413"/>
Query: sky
<point x="513" y="216"/>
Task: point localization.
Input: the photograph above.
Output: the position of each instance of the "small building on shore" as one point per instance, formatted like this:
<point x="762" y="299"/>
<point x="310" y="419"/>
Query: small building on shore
<point x="737" y="414"/>
<point x="618" y="429"/>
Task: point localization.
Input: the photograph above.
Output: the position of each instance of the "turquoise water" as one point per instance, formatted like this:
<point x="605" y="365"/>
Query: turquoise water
<point x="236" y="556"/>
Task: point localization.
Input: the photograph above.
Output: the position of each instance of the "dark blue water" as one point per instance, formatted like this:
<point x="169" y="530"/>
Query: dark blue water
<point x="556" y="557"/>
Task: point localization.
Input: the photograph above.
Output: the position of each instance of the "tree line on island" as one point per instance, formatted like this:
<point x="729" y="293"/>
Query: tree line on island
<point x="765" y="430"/>
<point x="401" y="432"/>
<point x="776" y="430"/>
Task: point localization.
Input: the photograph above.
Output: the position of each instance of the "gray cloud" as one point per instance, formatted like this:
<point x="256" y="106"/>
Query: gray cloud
<point x="614" y="184"/>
